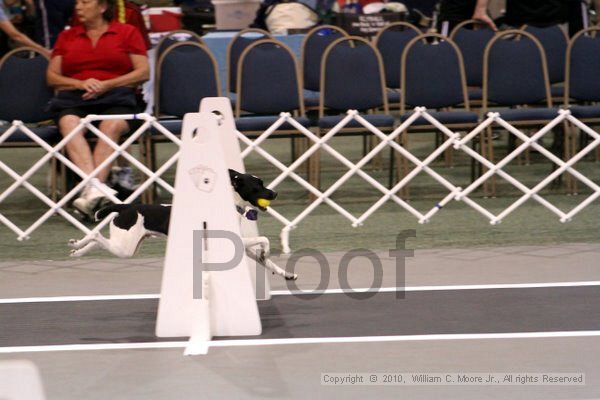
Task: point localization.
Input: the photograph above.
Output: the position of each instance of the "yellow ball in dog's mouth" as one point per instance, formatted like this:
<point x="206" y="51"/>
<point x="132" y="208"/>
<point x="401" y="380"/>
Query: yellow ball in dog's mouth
<point x="264" y="203"/>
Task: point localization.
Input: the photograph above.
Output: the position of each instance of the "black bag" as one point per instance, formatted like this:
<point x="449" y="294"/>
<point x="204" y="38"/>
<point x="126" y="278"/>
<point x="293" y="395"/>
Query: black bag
<point x="65" y="99"/>
<point x="367" y="25"/>
<point x="198" y="16"/>
<point x="261" y="14"/>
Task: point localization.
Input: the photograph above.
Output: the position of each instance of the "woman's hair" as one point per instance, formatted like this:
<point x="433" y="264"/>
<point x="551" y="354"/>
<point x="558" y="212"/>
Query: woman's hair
<point x="110" y="9"/>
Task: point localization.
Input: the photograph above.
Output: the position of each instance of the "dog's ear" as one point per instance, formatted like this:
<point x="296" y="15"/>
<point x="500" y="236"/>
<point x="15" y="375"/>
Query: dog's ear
<point x="232" y="177"/>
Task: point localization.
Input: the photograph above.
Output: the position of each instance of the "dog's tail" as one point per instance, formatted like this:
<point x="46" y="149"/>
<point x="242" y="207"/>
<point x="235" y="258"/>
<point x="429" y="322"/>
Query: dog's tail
<point x="104" y="212"/>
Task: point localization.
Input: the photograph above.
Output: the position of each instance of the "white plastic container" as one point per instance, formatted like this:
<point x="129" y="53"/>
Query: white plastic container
<point x="235" y="14"/>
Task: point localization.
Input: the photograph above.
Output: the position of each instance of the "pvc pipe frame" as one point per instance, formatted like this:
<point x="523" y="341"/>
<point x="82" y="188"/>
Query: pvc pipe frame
<point x="452" y="139"/>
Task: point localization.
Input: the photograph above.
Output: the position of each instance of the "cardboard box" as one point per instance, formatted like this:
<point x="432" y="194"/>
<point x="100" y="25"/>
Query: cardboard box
<point x="162" y="19"/>
<point x="235" y="14"/>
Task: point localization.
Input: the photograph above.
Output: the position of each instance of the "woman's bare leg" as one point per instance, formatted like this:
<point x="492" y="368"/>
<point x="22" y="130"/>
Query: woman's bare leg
<point x="113" y="129"/>
<point x="78" y="148"/>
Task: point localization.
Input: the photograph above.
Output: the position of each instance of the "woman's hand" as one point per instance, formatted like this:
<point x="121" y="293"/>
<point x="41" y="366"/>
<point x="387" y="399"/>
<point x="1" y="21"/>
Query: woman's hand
<point x="480" y="14"/>
<point x="90" y="85"/>
<point x="485" y="19"/>
<point x="94" y="88"/>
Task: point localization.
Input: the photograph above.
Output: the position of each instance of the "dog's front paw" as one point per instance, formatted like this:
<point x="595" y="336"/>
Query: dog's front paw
<point x="290" y="277"/>
<point x="73" y="243"/>
<point x="74" y="253"/>
<point x="265" y="246"/>
<point x="266" y="250"/>
<point x="261" y="257"/>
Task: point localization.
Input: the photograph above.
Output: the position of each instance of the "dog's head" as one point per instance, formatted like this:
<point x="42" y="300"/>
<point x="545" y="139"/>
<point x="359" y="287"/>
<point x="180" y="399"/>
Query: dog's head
<point x="251" y="189"/>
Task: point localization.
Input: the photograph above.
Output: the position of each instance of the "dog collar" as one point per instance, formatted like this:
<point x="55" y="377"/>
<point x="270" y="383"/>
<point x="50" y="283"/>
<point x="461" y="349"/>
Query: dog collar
<point x="250" y="214"/>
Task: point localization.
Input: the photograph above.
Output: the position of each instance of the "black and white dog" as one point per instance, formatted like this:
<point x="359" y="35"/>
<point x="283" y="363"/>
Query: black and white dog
<point x="135" y="222"/>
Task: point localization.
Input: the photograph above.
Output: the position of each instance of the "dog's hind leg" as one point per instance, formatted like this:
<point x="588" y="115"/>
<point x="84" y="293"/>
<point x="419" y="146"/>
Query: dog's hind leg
<point x="78" y="244"/>
<point x="84" y="246"/>
<point x="87" y="244"/>
<point x="270" y="265"/>
<point x="83" y="250"/>
<point x="258" y="240"/>
<point x="119" y="248"/>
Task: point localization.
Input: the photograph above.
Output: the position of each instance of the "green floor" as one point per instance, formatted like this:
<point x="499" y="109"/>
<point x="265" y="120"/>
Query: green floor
<point x="457" y="225"/>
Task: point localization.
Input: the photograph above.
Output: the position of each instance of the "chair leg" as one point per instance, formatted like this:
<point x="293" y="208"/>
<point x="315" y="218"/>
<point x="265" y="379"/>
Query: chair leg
<point x="406" y="166"/>
<point x="146" y="196"/>
<point x="486" y="152"/>
<point x="557" y="148"/>
<point x="449" y="157"/>
<point x="151" y="157"/>
<point x="378" y="158"/>
<point x="63" y="175"/>
<point x="297" y="148"/>
<point x="483" y="153"/>
<point x="402" y="166"/>
<point x="565" y="177"/>
<point x="300" y="146"/>
<point x="314" y="175"/>
<point x="522" y="157"/>
<point x="475" y="166"/>
<point x="144" y="159"/>
<point x="570" y="151"/>
<point x="528" y="151"/>
<point x="574" y="150"/>
<point x="399" y="164"/>
<point x="309" y="165"/>
<point x="392" y="164"/>
<point x="512" y="143"/>
<point x="53" y="178"/>
<point x="292" y="150"/>
<point x="491" y="155"/>
<point x="305" y="144"/>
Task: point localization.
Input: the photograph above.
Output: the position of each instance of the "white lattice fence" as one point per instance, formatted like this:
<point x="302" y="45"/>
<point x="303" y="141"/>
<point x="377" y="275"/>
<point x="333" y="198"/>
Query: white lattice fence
<point x="55" y="151"/>
<point x="452" y="139"/>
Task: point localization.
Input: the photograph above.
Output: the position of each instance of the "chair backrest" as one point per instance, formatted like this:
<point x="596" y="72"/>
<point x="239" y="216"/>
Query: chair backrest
<point x="352" y="76"/>
<point x="582" y="77"/>
<point x="268" y="80"/>
<point x="236" y="47"/>
<point x="554" y="40"/>
<point x="186" y="72"/>
<point x="175" y="37"/>
<point x="433" y="74"/>
<point x="24" y="92"/>
<point x="515" y="71"/>
<point x="313" y="46"/>
<point x="391" y="41"/>
<point x="471" y="43"/>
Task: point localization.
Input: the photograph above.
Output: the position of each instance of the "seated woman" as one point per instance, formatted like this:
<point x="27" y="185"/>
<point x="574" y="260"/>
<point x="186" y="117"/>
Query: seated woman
<point x="95" y="68"/>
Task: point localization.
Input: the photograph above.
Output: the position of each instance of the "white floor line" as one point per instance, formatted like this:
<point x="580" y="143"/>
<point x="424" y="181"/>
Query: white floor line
<point x="441" y="287"/>
<point x="90" y="347"/>
<point x="79" y="298"/>
<point x="293" y="341"/>
<point x="326" y="291"/>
